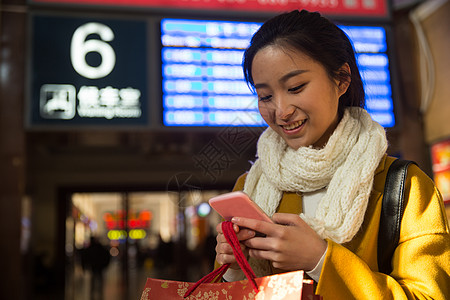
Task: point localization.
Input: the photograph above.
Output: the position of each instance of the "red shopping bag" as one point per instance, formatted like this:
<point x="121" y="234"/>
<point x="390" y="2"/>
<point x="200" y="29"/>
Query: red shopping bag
<point x="283" y="286"/>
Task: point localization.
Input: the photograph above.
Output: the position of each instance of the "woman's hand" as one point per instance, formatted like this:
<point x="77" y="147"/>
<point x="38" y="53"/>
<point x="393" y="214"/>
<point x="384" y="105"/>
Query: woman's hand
<point x="224" y="252"/>
<point x="290" y="244"/>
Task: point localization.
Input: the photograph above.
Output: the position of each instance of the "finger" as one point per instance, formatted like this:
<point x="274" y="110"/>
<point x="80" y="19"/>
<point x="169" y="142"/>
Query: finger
<point x="225" y="259"/>
<point x="245" y="234"/>
<point x="226" y="248"/>
<point x="220" y="238"/>
<point x="262" y="243"/>
<point x="287" y="219"/>
<point x="262" y="254"/>
<point x="255" y="225"/>
<point x="293" y="220"/>
<point x="219" y="228"/>
<point x="242" y="235"/>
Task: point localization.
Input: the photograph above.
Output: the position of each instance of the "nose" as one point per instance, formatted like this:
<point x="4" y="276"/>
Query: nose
<point x="284" y="109"/>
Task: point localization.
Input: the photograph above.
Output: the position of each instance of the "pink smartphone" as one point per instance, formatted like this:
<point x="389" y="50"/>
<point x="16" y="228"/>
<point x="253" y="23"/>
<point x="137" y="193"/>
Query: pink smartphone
<point x="238" y="204"/>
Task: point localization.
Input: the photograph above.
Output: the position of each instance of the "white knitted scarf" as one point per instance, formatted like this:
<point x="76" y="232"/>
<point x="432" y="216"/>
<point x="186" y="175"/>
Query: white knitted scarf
<point x="346" y="166"/>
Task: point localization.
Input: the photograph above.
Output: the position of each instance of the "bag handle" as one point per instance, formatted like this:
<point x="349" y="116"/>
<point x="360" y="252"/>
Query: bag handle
<point x="391" y="213"/>
<point x="230" y="236"/>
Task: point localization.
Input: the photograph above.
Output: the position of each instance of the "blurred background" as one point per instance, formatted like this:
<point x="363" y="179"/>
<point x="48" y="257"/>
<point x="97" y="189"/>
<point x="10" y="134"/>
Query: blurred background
<point x="120" y="119"/>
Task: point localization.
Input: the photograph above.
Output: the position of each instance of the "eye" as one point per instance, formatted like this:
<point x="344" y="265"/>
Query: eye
<point x="265" y="98"/>
<point x="297" y="88"/>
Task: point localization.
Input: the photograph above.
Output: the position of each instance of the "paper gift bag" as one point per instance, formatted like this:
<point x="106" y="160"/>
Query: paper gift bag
<point x="284" y="286"/>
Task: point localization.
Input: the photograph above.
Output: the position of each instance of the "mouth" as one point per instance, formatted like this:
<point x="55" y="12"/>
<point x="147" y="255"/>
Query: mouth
<point x="293" y="126"/>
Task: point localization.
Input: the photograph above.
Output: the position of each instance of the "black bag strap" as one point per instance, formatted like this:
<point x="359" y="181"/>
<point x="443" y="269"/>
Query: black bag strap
<point x="391" y="213"/>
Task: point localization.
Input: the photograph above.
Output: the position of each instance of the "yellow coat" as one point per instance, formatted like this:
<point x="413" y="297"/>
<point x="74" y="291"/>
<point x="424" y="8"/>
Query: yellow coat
<point x="421" y="262"/>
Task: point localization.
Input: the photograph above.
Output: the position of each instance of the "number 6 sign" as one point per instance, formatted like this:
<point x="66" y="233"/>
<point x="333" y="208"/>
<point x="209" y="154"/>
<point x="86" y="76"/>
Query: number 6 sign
<point x="79" y="47"/>
<point x="88" y="71"/>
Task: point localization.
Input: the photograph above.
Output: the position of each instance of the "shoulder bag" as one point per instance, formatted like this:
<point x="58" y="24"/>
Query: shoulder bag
<point x="391" y="213"/>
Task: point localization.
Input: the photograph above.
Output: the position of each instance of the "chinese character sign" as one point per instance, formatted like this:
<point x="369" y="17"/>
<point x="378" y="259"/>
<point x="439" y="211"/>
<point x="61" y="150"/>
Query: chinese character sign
<point x="88" y="72"/>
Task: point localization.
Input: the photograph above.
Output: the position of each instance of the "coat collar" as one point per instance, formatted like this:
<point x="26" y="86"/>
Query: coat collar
<point x="381" y="165"/>
<point x="380" y="175"/>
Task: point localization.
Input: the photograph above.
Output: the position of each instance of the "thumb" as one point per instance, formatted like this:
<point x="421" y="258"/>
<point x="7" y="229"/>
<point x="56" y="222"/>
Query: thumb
<point x="286" y="219"/>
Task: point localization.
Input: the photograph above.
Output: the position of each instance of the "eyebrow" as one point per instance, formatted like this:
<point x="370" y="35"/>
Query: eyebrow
<point x="284" y="78"/>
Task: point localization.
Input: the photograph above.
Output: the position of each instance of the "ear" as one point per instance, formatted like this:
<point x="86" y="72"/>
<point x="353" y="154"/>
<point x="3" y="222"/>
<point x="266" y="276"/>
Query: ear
<point x="344" y="75"/>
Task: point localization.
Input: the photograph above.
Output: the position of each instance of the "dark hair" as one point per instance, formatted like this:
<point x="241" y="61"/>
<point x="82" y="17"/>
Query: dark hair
<point x="316" y="37"/>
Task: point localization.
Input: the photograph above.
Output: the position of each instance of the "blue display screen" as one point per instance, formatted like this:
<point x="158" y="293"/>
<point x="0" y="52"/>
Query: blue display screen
<point x="203" y="82"/>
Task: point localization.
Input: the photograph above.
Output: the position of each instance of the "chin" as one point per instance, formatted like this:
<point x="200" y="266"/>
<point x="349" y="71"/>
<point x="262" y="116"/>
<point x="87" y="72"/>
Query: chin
<point x="294" y="145"/>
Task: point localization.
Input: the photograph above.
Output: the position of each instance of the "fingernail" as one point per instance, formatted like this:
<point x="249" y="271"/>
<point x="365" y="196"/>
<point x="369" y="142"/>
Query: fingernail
<point x="235" y="219"/>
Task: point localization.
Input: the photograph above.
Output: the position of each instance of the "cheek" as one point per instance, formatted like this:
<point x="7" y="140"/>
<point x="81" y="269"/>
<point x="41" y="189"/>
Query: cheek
<point x="265" y="110"/>
<point x="329" y="107"/>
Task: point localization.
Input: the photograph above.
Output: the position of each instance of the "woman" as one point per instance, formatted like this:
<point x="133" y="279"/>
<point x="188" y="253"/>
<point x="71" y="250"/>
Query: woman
<point x="320" y="174"/>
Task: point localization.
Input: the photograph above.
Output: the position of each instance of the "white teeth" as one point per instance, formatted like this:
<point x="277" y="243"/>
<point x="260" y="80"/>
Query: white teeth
<point x="293" y="125"/>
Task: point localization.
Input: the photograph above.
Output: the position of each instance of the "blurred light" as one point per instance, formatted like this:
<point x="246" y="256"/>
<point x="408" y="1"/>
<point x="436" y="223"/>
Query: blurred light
<point x="146" y="215"/>
<point x="137" y="234"/>
<point x="108" y="217"/>
<point x="117" y="234"/>
<point x="69" y="249"/>
<point x="93" y="226"/>
<point x="190" y="212"/>
<point x="203" y="209"/>
<point x="114" y="251"/>
<point x="195" y="231"/>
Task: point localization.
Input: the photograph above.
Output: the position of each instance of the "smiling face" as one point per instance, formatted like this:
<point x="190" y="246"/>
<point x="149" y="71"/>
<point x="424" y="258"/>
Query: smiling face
<point x="296" y="96"/>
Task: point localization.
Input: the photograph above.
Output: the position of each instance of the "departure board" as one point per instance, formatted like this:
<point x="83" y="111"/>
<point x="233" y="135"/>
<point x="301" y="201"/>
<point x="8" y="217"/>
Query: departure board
<point x="373" y="63"/>
<point x="203" y="82"/>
